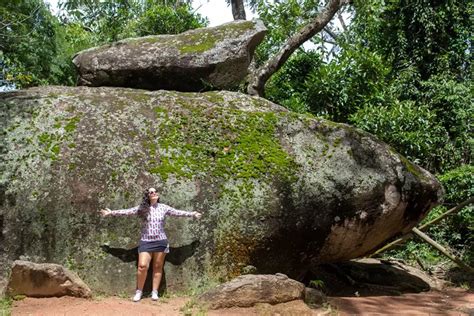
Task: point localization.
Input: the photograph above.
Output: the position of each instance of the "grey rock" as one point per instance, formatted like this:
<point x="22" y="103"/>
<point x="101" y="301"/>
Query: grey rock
<point x="196" y="60"/>
<point x="45" y="280"/>
<point x="314" y="297"/>
<point x="278" y="191"/>
<point x="248" y="290"/>
<point x="249" y="270"/>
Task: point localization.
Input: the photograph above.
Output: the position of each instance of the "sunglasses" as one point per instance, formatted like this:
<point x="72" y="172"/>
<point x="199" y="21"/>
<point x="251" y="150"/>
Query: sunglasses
<point x="151" y="192"/>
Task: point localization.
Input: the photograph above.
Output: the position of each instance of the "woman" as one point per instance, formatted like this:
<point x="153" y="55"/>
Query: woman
<point x="153" y="242"/>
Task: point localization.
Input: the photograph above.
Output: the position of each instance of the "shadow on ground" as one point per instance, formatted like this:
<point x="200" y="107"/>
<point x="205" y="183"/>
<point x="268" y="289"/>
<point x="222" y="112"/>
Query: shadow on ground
<point x="372" y="278"/>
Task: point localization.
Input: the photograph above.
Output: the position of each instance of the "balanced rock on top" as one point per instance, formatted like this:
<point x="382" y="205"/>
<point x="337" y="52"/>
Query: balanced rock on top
<point x="195" y="60"/>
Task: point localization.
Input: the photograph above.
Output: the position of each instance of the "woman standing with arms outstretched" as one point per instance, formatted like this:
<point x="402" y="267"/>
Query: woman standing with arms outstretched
<point x="153" y="245"/>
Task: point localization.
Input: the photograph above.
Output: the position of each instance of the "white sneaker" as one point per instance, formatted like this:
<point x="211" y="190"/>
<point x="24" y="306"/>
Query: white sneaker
<point x="154" y="295"/>
<point x="138" y="296"/>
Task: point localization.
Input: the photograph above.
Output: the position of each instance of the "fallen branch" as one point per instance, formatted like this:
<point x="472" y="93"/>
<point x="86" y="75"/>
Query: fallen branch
<point x="443" y="250"/>
<point x="423" y="227"/>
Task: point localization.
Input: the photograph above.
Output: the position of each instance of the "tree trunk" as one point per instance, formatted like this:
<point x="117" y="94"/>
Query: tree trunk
<point x="260" y="76"/>
<point x="238" y="9"/>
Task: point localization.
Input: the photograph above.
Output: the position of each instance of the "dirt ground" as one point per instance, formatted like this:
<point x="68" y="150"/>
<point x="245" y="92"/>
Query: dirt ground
<point x="449" y="302"/>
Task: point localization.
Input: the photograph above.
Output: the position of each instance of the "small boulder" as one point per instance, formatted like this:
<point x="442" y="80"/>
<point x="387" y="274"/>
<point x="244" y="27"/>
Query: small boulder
<point x="248" y="290"/>
<point x="195" y="60"/>
<point x="44" y="280"/>
<point x="314" y="297"/>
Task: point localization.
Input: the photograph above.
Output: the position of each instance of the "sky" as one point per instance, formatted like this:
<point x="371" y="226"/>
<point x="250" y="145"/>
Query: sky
<point x="216" y="11"/>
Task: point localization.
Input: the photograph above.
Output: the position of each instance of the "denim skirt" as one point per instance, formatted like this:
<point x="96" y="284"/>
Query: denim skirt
<point x="154" y="246"/>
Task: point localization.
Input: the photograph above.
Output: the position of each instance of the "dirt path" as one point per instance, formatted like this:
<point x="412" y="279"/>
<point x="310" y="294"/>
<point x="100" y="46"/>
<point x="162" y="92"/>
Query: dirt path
<point x="450" y="302"/>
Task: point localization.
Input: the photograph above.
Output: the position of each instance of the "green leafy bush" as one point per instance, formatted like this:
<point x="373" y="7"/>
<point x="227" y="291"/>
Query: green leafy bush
<point x="161" y="19"/>
<point x="414" y="131"/>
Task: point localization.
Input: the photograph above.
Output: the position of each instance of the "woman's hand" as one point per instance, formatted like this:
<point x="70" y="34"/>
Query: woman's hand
<point x="105" y="212"/>
<point x="197" y="215"/>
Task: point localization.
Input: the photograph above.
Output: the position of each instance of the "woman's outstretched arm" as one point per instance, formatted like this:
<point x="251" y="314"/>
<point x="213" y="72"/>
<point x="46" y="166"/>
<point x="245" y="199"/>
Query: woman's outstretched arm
<point x="125" y="212"/>
<point x="178" y="213"/>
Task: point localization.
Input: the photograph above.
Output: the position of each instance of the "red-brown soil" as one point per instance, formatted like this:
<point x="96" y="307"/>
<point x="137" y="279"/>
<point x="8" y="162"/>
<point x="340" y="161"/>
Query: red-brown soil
<point x="449" y="302"/>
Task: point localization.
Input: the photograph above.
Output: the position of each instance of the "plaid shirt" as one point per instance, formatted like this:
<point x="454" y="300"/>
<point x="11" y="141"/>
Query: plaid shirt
<point x="153" y="227"/>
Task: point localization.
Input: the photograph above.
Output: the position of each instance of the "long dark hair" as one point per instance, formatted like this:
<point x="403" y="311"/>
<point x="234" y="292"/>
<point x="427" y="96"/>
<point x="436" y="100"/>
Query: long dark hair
<point x="144" y="208"/>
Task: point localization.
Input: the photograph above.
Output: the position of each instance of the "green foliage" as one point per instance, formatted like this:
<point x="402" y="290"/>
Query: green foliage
<point x="432" y="36"/>
<point x="458" y="229"/>
<point x="343" y="85"/>
<point x="317" y="284"/>
<point x="452" y="102"/>
<point x="112" y="20"/>
<point x="287" y="86"/>
<point x="162" y="19"/>
<point x="414" y="131"/>
<point x="31" y="49"/>
<point x="459" y="184"/>
<point x="282" y="19"/>
<point x="5" y="306"/>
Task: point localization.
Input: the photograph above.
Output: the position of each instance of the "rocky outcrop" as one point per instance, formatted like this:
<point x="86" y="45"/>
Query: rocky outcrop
<point x="248" y="290"/>
<point x="196" y="60"/>
<point x="44" y="280"/>
<point x="279" y="191"/>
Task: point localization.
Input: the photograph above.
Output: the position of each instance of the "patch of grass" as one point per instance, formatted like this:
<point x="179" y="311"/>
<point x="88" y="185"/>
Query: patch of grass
<point x="5" y="306"/>
<point x="19" y="297"/>
<point x="193" y="308"/>
<point x="124" y="295"/>
<point x="99" y="296"/>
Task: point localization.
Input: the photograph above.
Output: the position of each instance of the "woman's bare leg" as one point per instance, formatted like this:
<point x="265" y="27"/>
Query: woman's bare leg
<point x="158" y="262"/>
<point x="144" y="259"/>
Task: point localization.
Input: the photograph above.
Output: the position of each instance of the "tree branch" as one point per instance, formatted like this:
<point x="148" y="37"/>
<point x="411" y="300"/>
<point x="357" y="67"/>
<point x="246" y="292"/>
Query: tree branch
<point x="405" y="237"/>
<point x="443" y="250"/>
<point x="330" y="33"/>
<point x="260" y="77"/>
<point x="343" y="24"/>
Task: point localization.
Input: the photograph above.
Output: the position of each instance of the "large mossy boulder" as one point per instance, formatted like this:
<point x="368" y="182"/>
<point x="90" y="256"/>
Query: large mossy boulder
<point x="278" y="191"/>
<point x="196" y="60"/>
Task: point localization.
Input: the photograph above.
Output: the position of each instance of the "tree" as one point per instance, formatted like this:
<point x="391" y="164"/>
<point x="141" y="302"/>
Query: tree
<point x="431" y="36"/>
<point x="238" y="9"/>
<point x="260" y="76"/>
<point x="112" y="20"/>
<point x="30" y="45"/>
<point x="426" y="46"/>
<point x="428" y="114"/>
